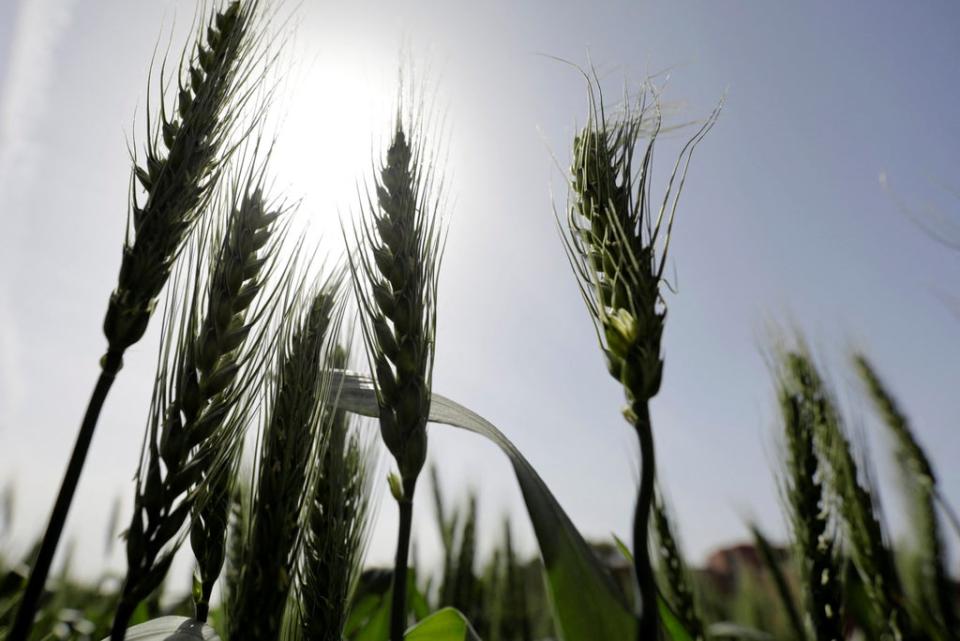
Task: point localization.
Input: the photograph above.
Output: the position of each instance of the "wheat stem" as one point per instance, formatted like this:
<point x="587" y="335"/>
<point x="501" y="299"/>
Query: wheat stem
<point x="649" y="620"/>
<point x="31" y="595"/>
<point x="398" y="604"/>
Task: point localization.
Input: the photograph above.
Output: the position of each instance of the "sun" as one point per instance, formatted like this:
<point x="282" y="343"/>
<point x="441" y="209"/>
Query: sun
<point x="331" y="119"/>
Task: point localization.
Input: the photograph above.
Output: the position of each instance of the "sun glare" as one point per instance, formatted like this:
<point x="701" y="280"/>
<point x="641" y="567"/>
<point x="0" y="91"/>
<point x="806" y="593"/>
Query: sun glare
<point x="333" y="119"/>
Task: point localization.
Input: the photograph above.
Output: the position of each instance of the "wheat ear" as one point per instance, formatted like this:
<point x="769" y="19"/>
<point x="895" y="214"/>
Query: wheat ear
<point x="936" y="589"/>
<point x="816" y="551"/>
<point x="290" y="445"/>
<point x="203" y="402"/>
<point x="337" y="525"/>
<point x="855" y="506"/>
<point x="395" y="279"/>
<point x="618" y="246"/>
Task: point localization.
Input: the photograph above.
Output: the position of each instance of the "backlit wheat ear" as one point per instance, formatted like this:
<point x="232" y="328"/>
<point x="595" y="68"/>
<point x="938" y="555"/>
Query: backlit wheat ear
<point x="182" y="160"/>
<point x="395" y="279"/>
<point x="290" y="445"/>
<point x="816" y="551"/>
<point x="336" y="528"/>
<point x="855" y="506"/>
<point x="936" y="590"/>
<point x="203" y="401"/>
<point x="398" y="298"/>
<point x="618" y="246"/>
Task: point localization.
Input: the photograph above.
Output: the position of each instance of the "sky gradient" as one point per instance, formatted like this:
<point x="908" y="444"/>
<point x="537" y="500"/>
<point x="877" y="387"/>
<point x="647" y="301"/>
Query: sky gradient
<point x="783" y="224"/>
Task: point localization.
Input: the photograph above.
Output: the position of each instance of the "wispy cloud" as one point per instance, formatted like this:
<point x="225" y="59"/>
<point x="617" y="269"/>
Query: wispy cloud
<point x="38" y="28"/>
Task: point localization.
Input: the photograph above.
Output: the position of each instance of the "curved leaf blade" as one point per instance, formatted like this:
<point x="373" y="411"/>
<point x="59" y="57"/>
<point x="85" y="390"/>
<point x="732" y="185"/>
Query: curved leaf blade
<point x="587" y="604"/>
<point x="171" y="628"/>
<point x="447" y="624"/>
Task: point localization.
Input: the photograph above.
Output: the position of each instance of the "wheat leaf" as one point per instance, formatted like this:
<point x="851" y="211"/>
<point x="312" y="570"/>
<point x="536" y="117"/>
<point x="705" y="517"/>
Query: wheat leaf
<point x="587" y="604"/>
<point x="447" y="624"/>
<point x="171" y="628"/>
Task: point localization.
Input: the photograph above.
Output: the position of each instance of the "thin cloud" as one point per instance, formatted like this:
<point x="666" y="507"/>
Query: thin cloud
<point x="38" y="28"/>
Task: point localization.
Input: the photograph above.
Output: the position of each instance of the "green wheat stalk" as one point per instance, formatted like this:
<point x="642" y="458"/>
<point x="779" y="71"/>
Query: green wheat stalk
<point x="617" y="244"/>
<point x="800" y="397"/>
<point x="769" y="556"/>
<point x="447" y="525"/>
<point x="395" y="279"/>
<point x="203" y="401"/>
<point x="855" y="507"/>
<point x="176" y="177"/>
<point x="936" y="590"/>
<point x="465" y="588"/>
<point x="336" y="529"/>
<point x="493" y="581"/>
<point x="290" y="445"/>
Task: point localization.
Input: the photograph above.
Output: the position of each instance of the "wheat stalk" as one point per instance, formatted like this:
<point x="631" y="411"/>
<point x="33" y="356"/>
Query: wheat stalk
<point x="202" y="402"/>
<point x="800" y="398"/>
<point x="290" y="445"/>
<point x="395" y="279"/>
<point x="493" y="582"/>
<point x="772" y="561"/>
<point x="855" y="506"/>
<point x="936" y="590"/>
<point x="618" y="247"/>
<point x="465" y="588"/>
<point x="176" y="177"/>
<point x="336" y="530"/>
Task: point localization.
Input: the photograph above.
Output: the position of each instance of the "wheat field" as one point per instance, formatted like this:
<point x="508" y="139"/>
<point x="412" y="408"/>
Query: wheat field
<point x="296" y="393"/>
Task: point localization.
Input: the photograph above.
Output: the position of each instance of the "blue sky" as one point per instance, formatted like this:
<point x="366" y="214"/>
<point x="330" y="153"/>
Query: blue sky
<point x="783" y="224"/>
